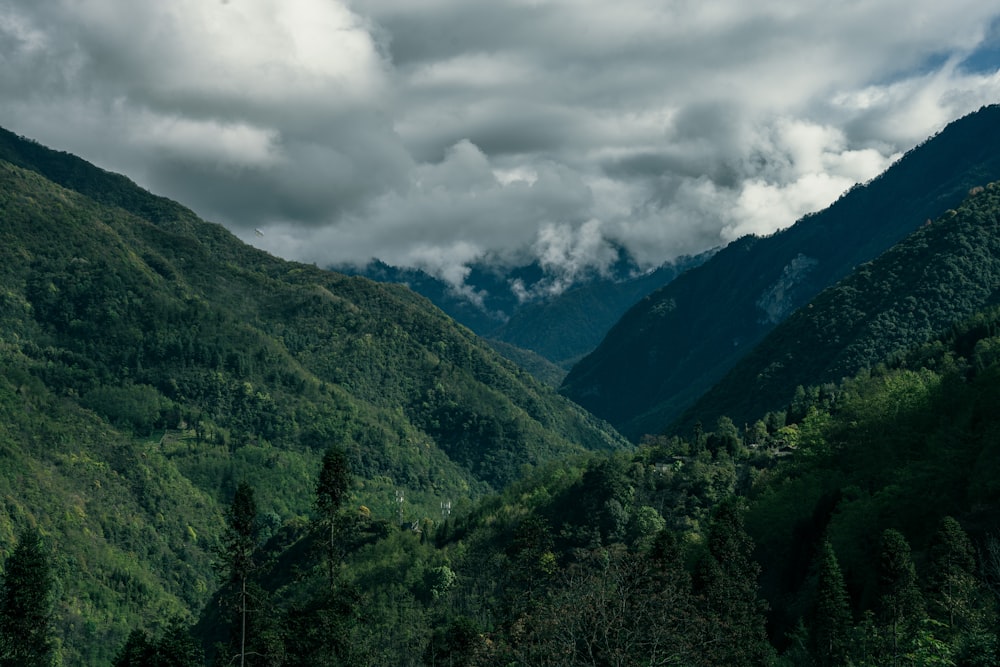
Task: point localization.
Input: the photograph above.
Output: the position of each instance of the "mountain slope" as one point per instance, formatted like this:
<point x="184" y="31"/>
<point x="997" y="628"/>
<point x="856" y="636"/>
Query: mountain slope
<point x="943" y="273"/>
<point x="149" y="361"/>
<point x="561" y="327"/>
<point x="672" y="346"/>
<point x="566" y="327"/>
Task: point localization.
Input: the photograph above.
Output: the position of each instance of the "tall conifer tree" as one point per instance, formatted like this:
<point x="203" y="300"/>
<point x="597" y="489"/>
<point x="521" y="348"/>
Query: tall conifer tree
<point x="26" y="631"/>
<point x="901" y="606"/>
<point x="831" y="621"/>
<point x="238" y="551"/>
<point x="734" y="612"/>
<point x="331" y="494"/>
<point x="951" y="579"/>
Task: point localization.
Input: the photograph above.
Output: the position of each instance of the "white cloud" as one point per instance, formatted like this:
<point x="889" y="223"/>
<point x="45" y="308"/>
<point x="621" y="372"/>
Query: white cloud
<point x="438" y="132"/>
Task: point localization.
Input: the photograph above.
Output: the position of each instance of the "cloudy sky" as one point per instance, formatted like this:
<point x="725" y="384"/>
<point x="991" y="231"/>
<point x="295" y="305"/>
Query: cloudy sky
<point x="435" y="132"/>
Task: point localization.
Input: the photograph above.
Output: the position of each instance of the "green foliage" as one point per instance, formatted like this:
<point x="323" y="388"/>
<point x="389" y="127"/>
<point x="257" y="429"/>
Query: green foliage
<point x="26" y="623"/>
<point x="831" y="613"/>
<point x="900" y="604"/>
<point x="175" y="647"/>
<point x="238" y="559"/>
<point x="905" y="446"/>
<point x="727" y="580"/>
<point x="170" y="398"/>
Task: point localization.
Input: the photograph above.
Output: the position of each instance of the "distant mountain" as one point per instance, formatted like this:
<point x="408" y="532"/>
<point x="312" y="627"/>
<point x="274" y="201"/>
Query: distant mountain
<point x="511" y="305"/>
<point x="943" y="273"/>
<point x="677" y="342"/>
<point x="150" y="361"/>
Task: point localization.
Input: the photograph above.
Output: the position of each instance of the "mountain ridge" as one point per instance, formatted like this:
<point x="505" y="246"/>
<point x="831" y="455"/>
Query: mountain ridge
<point x="944" y="272"/>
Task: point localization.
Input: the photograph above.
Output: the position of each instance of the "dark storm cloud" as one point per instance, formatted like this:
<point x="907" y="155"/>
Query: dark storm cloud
<point x="437" y="132"/>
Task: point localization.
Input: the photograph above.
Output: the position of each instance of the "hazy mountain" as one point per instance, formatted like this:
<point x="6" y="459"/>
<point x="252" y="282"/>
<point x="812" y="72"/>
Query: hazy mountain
<point x="150" y="361"/>
<point x="677" y="342"/>
<point x="522" y="306"/>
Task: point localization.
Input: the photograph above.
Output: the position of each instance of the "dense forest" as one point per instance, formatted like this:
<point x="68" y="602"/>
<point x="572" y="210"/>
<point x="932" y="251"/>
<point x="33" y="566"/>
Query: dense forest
<point x="857" y="526"/>
<point x="214" y="457"/>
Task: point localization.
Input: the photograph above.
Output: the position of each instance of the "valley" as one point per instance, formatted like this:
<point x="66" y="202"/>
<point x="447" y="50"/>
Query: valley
<point x="210" y="455"/>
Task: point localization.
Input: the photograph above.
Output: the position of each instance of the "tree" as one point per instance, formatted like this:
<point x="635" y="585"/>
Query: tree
<point x="238" y="549"/>
<point x="732" y="610"/>
<point x="532" y="560"/>
<point x="901" y="607"/>
<point x="175" y="648"/>
<point x="331" y="493"/>
<point x="460" y="643"/>
<point x="26" y="630"/>
<point x="137" y="651"/>
<point x="951" y="577"/>
<point x="612" y="607"/>
<point x="831" y="619"/>
<point x="955" y="596"/>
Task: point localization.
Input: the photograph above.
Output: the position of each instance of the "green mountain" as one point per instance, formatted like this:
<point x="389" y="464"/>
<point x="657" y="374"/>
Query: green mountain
<point x="153" y="368"/>
<point x="943" y="273"/>
<point x="149" y="362"/>
<point x="676" y="343"/>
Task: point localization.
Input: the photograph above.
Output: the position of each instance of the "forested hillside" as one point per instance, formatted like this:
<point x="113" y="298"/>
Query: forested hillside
<point x="675" y="344"/>
<point x="856" y="526"/>
<point x="944" y="272"/>
<point x="908" y="448"/>
<point x="151" y="362"/>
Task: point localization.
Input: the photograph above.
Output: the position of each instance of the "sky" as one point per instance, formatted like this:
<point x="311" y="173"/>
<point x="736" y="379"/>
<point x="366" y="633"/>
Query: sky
<point x="435" y="133"/>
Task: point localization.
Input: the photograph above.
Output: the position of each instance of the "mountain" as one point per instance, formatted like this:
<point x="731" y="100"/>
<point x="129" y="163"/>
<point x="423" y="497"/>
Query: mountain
<point x="565" y="327"/>
<point x="943" y="273"/>
<point x="150" y="362"/>
<point x="677" y="342"/>
<point x="520" y="306"/>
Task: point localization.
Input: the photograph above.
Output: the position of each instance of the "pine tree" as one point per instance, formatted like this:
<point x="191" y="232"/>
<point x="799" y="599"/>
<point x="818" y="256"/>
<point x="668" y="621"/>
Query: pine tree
<point x="951" y="578"/>
<point x="238" y="554"/>
<point x="831" y="618"/>
<point x="175" y="648"/>
<point x="901" y="607"/>
<point x="331" y="494"/>
<point x="956" y="598"/>
<point x="26" y="629"/>
<point x="137" y="651"/>
<point x="733" y="611"/>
